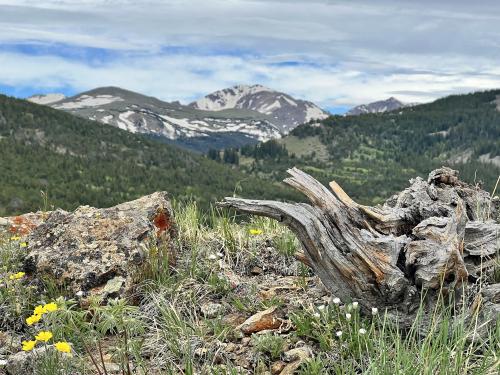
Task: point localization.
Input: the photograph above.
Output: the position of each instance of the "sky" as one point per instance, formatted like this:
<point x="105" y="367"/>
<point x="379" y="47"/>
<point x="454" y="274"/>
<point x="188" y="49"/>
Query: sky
<point x="337" y="54"/>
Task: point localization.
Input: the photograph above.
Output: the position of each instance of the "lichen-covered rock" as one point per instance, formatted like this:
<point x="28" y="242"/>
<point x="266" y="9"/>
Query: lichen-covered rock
<point x="95" y="251"/>
<point x="23" y="363"/>
<point x="211" y="310"/>
<point x="22" y="225"/>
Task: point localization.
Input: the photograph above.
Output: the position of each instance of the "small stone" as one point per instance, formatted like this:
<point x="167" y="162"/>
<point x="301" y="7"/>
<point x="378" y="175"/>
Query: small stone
<point x="234" y="319"/>
<point x="256" y="270"/>
<point x="261" y="321"/>
<point x="277" y="367"/>
<point x="297" y="353"/>
<point x="113" y="287"/>
<point x="200" y="352"/>
<point x="296" y="357"/>
<point x="113" y="368"/>
<point x="211" y="310"/>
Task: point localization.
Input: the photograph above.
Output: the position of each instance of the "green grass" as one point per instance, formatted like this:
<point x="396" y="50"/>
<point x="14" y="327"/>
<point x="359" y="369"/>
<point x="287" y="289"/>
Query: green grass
<point x="305" y="147"/>
<point x="168" y="334"/>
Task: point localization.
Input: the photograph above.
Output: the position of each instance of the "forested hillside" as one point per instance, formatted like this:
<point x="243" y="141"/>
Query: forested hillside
<point x="374" y="155"/>
<point x="76" y="161"/>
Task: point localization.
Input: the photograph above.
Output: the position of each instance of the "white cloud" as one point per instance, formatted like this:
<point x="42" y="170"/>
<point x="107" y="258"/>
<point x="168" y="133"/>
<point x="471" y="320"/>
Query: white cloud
<point x="353" y="52"/>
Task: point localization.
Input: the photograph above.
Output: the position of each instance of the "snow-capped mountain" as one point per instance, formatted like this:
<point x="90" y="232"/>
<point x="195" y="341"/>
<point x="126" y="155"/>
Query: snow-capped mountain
<point x="285" y="111"/>
<point x="172" y="122"/>
<point x="387" y="105"/>
<point x="46" y="98"/>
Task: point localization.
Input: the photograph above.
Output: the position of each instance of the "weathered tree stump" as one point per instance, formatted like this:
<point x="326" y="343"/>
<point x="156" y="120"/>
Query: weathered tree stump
<point x="435" y="236"/>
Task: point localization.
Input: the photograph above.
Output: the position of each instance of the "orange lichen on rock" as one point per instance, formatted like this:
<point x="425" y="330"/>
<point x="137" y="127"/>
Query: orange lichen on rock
<point x="161" y="222"/>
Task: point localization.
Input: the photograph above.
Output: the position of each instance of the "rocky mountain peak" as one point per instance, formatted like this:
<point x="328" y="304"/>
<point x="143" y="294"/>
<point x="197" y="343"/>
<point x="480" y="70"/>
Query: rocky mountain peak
<point x="286" y="111"/>
<point x="380" y="106"/>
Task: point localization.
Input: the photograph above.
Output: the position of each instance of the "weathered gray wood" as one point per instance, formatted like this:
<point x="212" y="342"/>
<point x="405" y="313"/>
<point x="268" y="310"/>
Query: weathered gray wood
<point x="386" y="256"/>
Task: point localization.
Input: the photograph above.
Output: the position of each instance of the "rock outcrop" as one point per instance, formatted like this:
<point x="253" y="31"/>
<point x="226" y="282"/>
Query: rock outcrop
<point x="95" y="251"/>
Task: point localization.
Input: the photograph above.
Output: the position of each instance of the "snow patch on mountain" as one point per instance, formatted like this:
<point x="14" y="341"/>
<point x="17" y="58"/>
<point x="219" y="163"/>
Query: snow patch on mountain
<point x="125" y="123"/>
<point x="85" y="101"/>
<point x="46" y="98"/>
<point x="314" y="113"/>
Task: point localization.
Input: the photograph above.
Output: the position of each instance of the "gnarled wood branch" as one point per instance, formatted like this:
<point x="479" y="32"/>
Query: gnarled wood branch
<point x="424" y="238"/>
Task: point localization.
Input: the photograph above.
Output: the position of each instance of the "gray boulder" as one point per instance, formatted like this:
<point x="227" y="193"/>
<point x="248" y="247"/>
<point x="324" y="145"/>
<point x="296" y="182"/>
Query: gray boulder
<point x="95" y="251"/>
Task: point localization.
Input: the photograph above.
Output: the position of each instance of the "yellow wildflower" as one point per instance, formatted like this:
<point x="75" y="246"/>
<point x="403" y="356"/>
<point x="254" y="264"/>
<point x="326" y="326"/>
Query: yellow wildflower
<point x="50" y="307"/>
<point x="17" y="276"/>
<point x="28" y="345"/>
<point x="23" y="244"/>
<point x="15" y="238"/>
<point x="63" y="347"/>
<point x="33" y="319"/>
<point x="39" y="310"/>
<point x="255" y="232"/>
<point x="44" y="336"/>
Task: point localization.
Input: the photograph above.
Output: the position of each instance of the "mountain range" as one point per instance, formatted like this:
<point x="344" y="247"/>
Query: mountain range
<point x="78" y="161"/>
<point x="228" y="118"/>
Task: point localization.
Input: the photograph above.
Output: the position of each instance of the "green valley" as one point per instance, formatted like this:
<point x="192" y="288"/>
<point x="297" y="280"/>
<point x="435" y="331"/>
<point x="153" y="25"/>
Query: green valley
<point x="373" y="155"/>
<point x="76" y="161"/>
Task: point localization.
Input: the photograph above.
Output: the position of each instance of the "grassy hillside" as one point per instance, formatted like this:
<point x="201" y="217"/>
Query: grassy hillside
<point x="76" y="161"/>
<point x="186" y="320"/>
<point x="372" y="156"/>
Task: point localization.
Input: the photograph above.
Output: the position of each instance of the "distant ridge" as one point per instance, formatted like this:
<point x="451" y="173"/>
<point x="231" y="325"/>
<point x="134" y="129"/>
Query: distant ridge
<point x="228" y="118"/>
<point x="175" y="123"/>
<point x="380" y="106"/>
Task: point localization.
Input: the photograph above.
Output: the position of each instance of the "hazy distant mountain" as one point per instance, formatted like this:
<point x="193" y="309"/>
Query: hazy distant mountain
<point x="46" y="98"/>
<point x="387" y="105"/>
<point x="285" y="111"/>
<point x="175" y="123"/>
